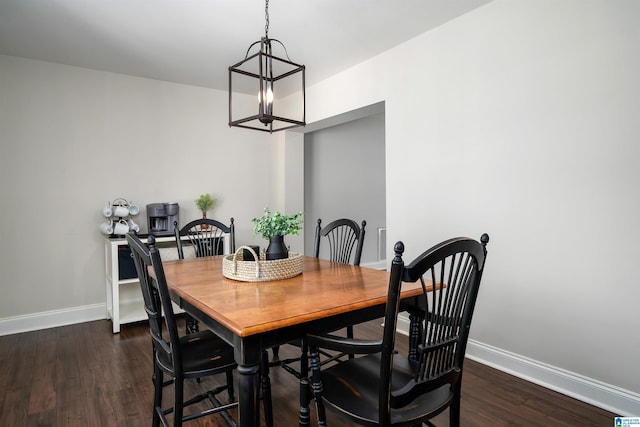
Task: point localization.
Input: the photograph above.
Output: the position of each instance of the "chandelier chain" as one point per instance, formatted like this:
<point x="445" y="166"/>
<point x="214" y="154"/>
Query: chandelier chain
<point x="266" y="19"/>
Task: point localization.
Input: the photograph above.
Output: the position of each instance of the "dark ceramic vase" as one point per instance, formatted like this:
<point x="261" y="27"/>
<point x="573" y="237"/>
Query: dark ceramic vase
<point x="204" y="226"/>
<point x="276" y="248"/>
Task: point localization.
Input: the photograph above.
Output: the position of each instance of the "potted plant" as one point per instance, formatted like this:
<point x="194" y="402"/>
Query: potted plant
<point x="204" y="203"/>
<point x="273" y="227"/>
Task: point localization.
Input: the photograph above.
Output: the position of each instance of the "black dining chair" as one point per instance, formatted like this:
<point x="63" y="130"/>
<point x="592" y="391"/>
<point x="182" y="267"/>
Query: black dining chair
<point x="195" y="355"/>
<point x="384" y="388"/>
<point x="203" y="237"/>
<point x="342" y="237"/>
<point x="344" y="241"/>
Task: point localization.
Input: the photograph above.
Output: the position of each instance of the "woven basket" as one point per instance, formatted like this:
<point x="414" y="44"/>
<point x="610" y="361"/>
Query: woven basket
<point x="234" y="267"/>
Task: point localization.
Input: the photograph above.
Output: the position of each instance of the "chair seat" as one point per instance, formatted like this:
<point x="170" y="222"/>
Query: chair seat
<point x="351" y="387"/>
<point x="203" y="353"/>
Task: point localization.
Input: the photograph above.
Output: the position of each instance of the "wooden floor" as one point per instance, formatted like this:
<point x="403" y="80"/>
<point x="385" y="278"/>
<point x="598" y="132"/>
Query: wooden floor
<point x="83" y="375"/>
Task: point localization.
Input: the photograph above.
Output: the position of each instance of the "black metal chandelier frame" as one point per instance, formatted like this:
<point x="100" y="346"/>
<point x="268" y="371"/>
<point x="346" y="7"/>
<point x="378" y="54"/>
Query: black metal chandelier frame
<point x="265" y="119"/>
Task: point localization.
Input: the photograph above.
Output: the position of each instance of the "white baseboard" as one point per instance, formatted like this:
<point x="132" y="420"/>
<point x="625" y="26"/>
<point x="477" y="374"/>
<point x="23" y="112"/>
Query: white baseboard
<point x="52" y="319"/>
<point x="606" y="396"/>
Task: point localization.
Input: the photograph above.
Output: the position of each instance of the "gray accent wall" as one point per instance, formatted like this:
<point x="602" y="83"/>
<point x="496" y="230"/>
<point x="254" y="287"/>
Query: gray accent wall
<point x="344" y="176"/>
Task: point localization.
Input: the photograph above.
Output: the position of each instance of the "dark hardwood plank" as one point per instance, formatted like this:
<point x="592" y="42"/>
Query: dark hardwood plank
<point x="83" y="375"/>
<point x="43" y="397"/>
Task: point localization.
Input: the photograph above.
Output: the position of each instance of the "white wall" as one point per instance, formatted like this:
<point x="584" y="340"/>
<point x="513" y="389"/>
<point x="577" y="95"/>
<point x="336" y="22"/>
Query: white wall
<point x="73" y="139"/>
<point x="520" y="119"/>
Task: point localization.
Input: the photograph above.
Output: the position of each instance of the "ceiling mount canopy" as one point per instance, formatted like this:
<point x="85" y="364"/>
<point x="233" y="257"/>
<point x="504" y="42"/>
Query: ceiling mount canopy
<point x="278" y="82"/>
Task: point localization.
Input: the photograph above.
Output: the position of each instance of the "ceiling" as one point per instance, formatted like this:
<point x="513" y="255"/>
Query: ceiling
<point x="194" y="41"/>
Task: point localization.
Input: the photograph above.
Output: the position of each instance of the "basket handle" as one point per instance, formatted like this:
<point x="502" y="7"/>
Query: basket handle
<point x="255" y="257"/>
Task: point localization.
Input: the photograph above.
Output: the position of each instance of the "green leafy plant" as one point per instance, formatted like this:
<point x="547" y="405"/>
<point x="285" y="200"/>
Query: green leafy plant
<point x="205" y="202"/>
<point x="277" y="224"/>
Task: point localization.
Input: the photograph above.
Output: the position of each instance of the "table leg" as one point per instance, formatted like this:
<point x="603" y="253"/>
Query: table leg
<point x="248" y="395"/>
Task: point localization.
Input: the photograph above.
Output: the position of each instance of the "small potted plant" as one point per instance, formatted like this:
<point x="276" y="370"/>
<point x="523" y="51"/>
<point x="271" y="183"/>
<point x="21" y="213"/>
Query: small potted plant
<point x="204" y="203"/>
<point x="273" y="227"/>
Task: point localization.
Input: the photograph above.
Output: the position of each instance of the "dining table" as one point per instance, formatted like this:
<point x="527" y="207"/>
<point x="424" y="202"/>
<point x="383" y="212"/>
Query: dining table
<point x="255" y="316"/>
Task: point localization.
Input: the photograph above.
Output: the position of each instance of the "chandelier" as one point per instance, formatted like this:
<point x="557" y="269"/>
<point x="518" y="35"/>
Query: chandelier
<point x="267" y="75"/>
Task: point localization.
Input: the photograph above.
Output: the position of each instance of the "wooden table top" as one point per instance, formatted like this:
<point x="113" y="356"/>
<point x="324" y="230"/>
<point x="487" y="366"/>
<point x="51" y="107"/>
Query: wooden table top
<point x="246" y="308"/>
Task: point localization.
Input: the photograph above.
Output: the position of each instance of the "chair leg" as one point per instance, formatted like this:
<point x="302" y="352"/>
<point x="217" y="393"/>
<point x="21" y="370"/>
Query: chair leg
<point x="230" y="389"/>
<point x="178" y="387"/>
<point x="191" y="325"/>
<point x="266" y="390"/>
<point x="454" y="409"/>
<point x="314" y="359"/>
<point x="157" y="394"/>
<point x="350" y="336"/>
<point x="304" y="358"/>
<point x="304" y="416"/>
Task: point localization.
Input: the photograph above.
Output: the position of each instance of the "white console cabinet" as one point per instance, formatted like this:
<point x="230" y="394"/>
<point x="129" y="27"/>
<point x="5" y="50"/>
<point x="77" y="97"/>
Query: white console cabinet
<point x="124" y="297"/>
